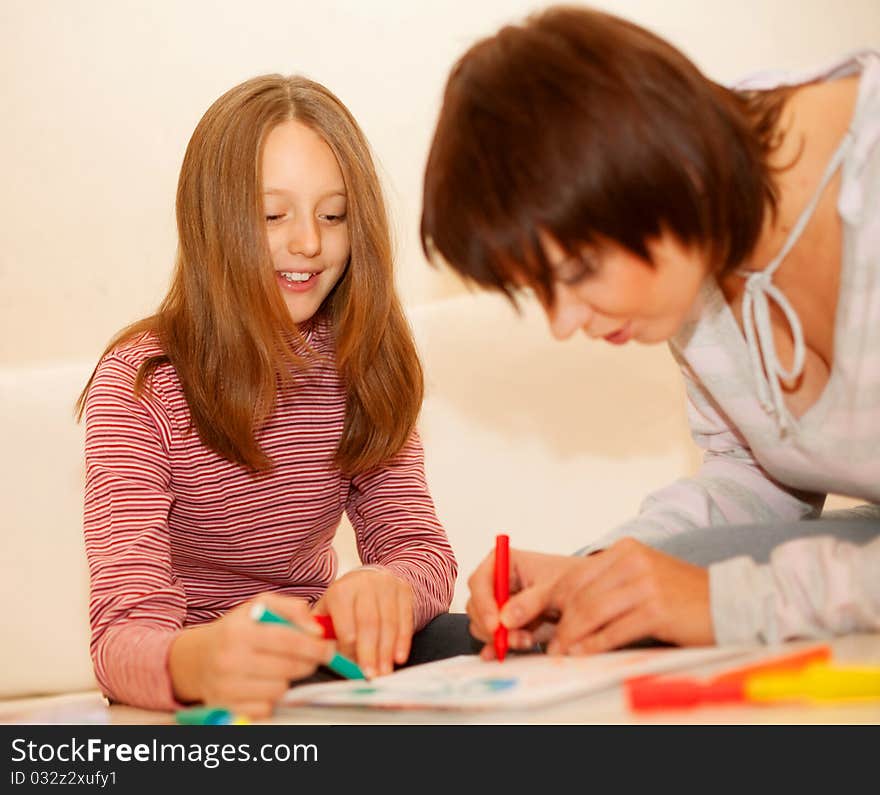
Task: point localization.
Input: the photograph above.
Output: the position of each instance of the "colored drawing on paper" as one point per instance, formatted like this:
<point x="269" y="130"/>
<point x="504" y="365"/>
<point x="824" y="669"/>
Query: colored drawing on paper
<point x="469" y="683"/>
<point x="436" y="690"/>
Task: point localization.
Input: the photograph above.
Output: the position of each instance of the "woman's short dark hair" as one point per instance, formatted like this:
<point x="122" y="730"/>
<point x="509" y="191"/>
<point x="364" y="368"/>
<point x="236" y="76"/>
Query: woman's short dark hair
<point x="585" y="126"/>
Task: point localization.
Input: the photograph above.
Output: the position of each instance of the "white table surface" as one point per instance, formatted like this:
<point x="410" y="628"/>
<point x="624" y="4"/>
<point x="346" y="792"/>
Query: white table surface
<point x="606" y="707"/>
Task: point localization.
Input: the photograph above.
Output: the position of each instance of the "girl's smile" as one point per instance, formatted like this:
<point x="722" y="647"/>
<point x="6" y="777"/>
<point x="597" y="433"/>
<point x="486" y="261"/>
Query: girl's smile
<point x="297" y="281"/>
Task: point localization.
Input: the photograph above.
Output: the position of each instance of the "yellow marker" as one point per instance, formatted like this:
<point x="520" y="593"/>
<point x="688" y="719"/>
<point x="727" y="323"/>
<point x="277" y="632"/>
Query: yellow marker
<point x="817" y="682"/>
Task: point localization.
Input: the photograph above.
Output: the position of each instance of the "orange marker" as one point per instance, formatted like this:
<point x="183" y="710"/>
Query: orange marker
<point x="502" y="590"/>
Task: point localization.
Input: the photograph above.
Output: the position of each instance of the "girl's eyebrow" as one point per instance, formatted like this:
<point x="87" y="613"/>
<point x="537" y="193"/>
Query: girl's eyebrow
<point x="282" y="192"/>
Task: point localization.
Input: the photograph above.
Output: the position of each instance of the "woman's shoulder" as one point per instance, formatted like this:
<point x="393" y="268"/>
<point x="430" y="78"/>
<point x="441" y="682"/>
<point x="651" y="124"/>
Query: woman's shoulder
<point x="852" y="63"/>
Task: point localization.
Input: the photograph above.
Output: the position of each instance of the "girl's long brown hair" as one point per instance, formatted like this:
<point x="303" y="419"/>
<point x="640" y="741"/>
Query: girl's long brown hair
<point x="223" y="324"/>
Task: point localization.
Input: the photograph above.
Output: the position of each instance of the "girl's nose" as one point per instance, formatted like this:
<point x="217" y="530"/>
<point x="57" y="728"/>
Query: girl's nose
<point x="305" y="238"/>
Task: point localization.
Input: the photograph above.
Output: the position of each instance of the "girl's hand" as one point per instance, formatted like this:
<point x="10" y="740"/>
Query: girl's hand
<point x="246" y="666"/>
<point x="629" y="592"/>
<point x="528" y="614"/>
<point x="372" y="612"/>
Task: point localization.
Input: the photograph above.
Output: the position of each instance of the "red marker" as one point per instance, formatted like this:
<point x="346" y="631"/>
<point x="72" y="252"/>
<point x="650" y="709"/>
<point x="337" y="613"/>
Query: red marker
<point x="502" y="590"/>
<point x="665" y="692"/>
<point x="662" y="692"/>
<point x="326" y="626"/>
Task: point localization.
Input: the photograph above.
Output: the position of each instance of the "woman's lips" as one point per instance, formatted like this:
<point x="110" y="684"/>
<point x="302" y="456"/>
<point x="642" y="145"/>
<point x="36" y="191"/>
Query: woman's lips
<point x="621" y="336"/>
<point x="296" y="287"/>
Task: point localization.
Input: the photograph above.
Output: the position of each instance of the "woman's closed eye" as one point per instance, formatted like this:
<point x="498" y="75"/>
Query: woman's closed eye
<point x="575" y="269"/>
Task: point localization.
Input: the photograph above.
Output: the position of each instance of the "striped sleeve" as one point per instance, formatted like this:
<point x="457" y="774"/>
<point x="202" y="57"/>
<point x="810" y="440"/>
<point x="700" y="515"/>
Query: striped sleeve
<point x="396" y="525"/>
<point x="136" y="605"/>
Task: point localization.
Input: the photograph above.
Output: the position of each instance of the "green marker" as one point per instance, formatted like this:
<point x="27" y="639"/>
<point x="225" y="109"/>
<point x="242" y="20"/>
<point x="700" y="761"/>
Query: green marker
<point x="208" y="716"/>
<point x="339" y="664"/>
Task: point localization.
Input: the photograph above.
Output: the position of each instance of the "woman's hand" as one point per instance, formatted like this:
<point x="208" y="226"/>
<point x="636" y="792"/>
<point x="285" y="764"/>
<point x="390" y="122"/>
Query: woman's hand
<point x="626" y="593"/>
<point x="246" y="666"/>
<point x="528" y="614"/>
<point x="372" y="612"/>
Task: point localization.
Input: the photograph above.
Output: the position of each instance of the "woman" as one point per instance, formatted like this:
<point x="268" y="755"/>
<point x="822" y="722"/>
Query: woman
<point x="581" y="157"/>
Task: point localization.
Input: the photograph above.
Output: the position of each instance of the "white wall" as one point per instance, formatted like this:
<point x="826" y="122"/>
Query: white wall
<point x="99" y="98"/>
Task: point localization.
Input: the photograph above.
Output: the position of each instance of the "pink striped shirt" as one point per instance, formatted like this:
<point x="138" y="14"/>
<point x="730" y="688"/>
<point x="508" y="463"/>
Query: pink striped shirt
<point x="176" y="535"/>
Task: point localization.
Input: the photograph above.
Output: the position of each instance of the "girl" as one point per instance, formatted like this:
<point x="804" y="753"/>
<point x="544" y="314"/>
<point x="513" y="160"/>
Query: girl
<point x="587" y="159"/>
<point x="276" y="386"/>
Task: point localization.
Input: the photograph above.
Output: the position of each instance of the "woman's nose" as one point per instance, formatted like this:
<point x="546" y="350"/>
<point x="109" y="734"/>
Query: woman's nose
<point x="567" y="315"/>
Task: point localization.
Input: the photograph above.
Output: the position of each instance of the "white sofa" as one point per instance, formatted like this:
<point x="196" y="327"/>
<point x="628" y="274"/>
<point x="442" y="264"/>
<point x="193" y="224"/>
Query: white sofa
<point x="550" y="442"/>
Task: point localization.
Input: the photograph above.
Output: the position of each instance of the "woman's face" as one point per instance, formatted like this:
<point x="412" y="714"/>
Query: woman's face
<point x="304" y="201"/>
<point x="610" y="293"/>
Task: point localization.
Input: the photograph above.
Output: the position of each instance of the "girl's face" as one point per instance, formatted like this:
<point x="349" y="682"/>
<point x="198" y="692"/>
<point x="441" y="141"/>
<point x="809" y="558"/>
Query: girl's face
<point x="610" y="293"/>
<point x="304" y="201"/>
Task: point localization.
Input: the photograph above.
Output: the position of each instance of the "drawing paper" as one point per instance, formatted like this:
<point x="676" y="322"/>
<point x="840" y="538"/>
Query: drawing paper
<point x="469" y="683"/>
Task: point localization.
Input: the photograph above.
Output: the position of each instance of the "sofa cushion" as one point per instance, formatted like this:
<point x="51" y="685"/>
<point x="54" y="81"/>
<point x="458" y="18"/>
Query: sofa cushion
<point x="43" y="573"/>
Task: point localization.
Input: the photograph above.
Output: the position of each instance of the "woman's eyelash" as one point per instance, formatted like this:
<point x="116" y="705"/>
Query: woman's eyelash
<point x="340" y="217"/>
<point x="273" y="217"/>
<point x="576" y="269"/>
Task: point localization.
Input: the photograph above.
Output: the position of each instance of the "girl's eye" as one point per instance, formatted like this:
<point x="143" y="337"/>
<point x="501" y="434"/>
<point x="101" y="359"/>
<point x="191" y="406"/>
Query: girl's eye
<point x="333" y="219"/>
<point x="274" y="217"/>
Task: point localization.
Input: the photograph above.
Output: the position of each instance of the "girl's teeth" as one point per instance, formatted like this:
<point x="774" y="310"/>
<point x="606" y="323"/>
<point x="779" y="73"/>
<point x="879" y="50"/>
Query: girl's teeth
<point x="296" y="277"/>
